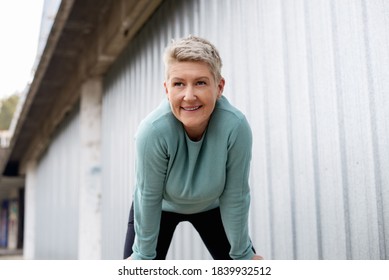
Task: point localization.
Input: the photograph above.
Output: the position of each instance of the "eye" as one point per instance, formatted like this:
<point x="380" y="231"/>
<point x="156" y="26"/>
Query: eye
<point x="178" y="84"/>
<point x="201" y="83"/>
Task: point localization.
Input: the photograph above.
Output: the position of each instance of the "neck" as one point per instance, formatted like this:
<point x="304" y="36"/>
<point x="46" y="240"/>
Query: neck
<point x="195" y="134"/>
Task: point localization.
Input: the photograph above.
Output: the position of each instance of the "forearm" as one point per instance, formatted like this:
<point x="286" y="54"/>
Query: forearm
<point x="147" y="215"/>
<point x="234" y="212"/>
<point x="151" y="165"/>
<point x="235" y="201"/>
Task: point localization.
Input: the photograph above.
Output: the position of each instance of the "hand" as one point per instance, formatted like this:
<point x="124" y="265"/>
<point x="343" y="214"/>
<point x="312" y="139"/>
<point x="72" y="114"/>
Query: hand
<point x="129" y="258"/>
<point x="257" y="257"/>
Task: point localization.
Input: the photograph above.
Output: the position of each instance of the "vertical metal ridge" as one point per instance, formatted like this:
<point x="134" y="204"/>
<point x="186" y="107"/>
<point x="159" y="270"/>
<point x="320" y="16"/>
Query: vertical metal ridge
<point x="314" y="143"/>
<point x="374" y="134"/>
<point x="342" y="139"/>
<point x="57" y="195"/>
<point x="268" y="174"/>
<point x="289" y="128"/>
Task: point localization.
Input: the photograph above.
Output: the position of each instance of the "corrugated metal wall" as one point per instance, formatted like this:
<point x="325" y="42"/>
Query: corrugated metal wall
<point x="56" y="186"/>
<point x="311" y="76"/>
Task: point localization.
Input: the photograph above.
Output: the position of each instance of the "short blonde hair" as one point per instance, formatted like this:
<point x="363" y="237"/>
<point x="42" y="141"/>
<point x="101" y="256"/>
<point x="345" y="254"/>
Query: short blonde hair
<point x="193" y="48"/>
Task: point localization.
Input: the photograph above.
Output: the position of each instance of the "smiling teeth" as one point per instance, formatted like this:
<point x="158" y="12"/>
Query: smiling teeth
<point x="191" y="109"/>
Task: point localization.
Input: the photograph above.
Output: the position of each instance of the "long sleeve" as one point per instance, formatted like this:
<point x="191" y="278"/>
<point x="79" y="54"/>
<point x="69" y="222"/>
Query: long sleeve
<point x="235" y="200"/>
<point x="151" y="166"/>
<point x="178" y="175"/>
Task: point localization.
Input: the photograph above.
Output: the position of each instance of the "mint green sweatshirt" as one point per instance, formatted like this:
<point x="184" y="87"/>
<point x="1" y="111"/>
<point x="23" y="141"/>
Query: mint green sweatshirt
<point x="178" y="175"/>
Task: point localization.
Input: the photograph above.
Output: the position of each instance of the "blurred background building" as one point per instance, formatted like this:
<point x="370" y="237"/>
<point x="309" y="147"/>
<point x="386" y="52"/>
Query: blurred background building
<point x="311" y="77"/>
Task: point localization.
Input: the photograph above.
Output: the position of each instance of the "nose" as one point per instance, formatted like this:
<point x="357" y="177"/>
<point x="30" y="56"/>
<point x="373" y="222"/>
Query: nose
<point x="189" y="94"/>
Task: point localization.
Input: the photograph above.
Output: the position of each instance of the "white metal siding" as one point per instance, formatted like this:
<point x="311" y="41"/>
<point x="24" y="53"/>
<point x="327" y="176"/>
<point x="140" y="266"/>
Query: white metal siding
<point x="56" y="192"/>
<point x="311" y="76"/>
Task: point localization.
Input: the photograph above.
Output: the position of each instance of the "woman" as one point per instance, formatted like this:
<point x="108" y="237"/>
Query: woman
<point x="193" y="160"/>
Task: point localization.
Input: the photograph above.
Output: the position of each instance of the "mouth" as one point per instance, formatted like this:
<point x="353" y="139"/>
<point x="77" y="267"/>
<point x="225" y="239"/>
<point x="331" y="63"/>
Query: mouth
<point x="191" y="109"/>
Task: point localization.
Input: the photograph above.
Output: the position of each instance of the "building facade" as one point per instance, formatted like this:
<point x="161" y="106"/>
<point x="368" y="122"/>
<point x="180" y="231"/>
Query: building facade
<point x="311" y="77"/>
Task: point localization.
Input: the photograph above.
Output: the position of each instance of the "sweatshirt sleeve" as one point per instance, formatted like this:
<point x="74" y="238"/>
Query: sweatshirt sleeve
<point x="235" y="200"/>
<point x="151" y="165"/>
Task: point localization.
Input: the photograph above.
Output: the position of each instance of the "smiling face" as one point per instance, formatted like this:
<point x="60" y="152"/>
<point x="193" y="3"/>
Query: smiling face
<point x="192" y="92"/>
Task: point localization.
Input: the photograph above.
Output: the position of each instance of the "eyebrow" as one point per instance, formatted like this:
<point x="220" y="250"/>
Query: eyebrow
<point x="198" y="78"/>
<point x="202" y="78"/>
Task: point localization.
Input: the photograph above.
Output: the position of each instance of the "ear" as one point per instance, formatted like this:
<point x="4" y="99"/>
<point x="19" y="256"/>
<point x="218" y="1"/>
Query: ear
<point x="220" y="87"/>
<point x="166" y="89"/>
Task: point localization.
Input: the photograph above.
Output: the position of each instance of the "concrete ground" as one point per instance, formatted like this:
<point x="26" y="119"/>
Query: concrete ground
<point x="6" y="254"/>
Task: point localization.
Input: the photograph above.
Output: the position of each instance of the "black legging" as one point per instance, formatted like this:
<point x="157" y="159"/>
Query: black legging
<point x="208" y="224"/>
